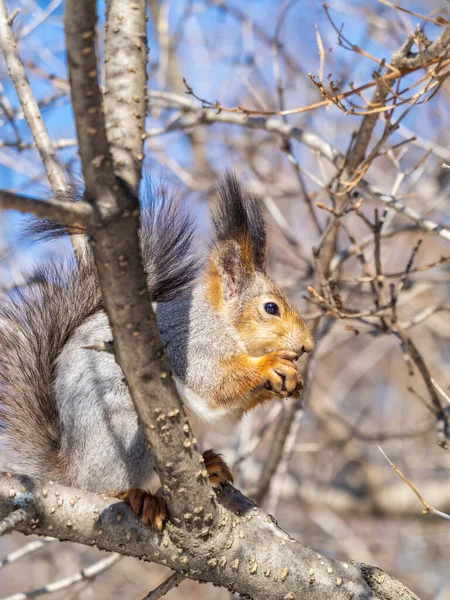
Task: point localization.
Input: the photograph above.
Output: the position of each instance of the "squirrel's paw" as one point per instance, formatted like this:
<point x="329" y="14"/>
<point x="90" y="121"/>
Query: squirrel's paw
<point x="281" y="374"/>
<point x="152" y="509"/>
<point x="218" y="470"/>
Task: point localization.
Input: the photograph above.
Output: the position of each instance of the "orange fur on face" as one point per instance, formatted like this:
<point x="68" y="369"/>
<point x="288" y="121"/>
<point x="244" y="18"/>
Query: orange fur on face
<point x="261" y="374"/>
<point x="263" y="333"/>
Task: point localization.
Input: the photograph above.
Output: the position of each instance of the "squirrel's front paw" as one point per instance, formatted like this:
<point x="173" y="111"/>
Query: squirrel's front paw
<point x="280" y="373"/>
<point x="218" y="470"/>
<point x="152" y="509"/>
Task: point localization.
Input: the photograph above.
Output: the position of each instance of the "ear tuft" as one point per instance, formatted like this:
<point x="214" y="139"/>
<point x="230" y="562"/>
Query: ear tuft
<point x="238" y="216"/>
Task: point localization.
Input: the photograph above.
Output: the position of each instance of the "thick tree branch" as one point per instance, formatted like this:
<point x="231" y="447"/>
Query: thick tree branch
<point x="138" y="346"/>
<point x="126" y="88"/>
<point x="96" y="159"/>
<point x="405" y="60"/>
<point x="248" y="553"/>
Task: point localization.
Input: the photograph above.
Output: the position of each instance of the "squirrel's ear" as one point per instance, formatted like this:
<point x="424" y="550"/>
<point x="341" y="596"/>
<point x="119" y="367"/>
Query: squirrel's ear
<point x="237" y="216"/>
<point x="234" y="271"/>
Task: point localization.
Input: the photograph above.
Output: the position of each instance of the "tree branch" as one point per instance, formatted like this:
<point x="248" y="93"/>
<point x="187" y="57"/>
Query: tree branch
<point x="288" y="416"/>
<point x="96" y="159"/>
<point x="24" y="551"/>
<point x="87" y="574"/>
<point x="137" y="343"/>
<point x="126" y="88"/>
<point x="199" y="116"/>
<point x="16" y="70"/>
<point x="33" y="115"/>
<point x="168" y="584"/>
<point x="248" y="552"/>
<point x="56" y="210"/>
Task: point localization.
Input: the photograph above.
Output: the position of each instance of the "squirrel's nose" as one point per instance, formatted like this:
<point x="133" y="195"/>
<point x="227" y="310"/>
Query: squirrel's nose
<point x="308" y="346"/>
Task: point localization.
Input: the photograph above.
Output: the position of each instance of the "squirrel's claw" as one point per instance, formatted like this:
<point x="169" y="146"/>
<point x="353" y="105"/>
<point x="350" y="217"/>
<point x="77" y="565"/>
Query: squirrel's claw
<point x="152" y="509"/>
<point x="218" y="471"/>
<point x="282" y="376"/>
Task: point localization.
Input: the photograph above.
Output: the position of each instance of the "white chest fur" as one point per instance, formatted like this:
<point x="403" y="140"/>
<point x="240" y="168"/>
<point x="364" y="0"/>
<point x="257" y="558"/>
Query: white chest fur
<point x="201" y="414"/>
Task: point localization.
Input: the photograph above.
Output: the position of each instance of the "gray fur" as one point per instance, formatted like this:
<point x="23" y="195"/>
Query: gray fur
<point x="65" y="411"/>
<point x="99" y="430"/>
<point x="35" y="324"/>
<point x="186" y="325"/>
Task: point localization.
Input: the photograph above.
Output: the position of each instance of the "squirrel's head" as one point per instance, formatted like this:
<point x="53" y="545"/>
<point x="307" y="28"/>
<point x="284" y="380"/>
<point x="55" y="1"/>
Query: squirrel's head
<point x="237" y="283"/>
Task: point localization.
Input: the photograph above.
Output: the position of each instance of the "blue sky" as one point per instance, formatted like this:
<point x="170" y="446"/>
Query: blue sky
<point x="218" y="57"/>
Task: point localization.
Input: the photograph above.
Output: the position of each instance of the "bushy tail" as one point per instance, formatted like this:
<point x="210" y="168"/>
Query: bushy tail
<point x="167" y="235"/>
<point x="35" y="323"/>
<point x="37" y="320"/>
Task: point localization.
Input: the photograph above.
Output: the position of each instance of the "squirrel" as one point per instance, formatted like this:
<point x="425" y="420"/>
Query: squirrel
<point x="231" y="336"/>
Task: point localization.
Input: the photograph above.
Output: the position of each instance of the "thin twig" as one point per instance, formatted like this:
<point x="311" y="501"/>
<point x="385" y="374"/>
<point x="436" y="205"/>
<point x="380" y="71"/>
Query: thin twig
<point x="8" y="45"/>
<point x="24" y="551"/>
<point x="168" y="584"/>
<point x="31" y="110"/>
<point x="427" y="506"/>
<point x="87" y="574"/>
<point x="443" y="394"/>
<point x="198" y="116"/>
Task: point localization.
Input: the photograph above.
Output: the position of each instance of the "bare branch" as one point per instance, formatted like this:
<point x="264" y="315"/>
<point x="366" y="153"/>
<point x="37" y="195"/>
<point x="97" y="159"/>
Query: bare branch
<point x="171" y="582"/>
<point x="288" y="417"/>
<point x="80" y="22"/>
<point x="426" y="224"/>
<point x="427" y="506"/>
<point x="248" y="541"/>
<point x="25" y="550"/>
<point x="208" y="116"/>
<point x="442" y="416"/>
<point x="16" y="516"/>
<point x="87" y="574"/>
<point x="126" y="88"/>
<point x="272" y="125"/>
<point x="33" y="115"/>
<point x="30" y="106"/>
<point x="137" y="343"/>
<point x="441" y="391"/>
<point x="56" y="210"/>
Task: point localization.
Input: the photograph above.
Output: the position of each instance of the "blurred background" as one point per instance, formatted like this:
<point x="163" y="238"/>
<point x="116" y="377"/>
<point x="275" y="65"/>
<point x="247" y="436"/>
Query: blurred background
<point x="331" y="488"/>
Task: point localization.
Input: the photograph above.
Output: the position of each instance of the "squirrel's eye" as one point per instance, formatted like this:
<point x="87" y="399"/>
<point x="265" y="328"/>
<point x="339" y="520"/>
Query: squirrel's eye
<point x="272" y="308"/>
